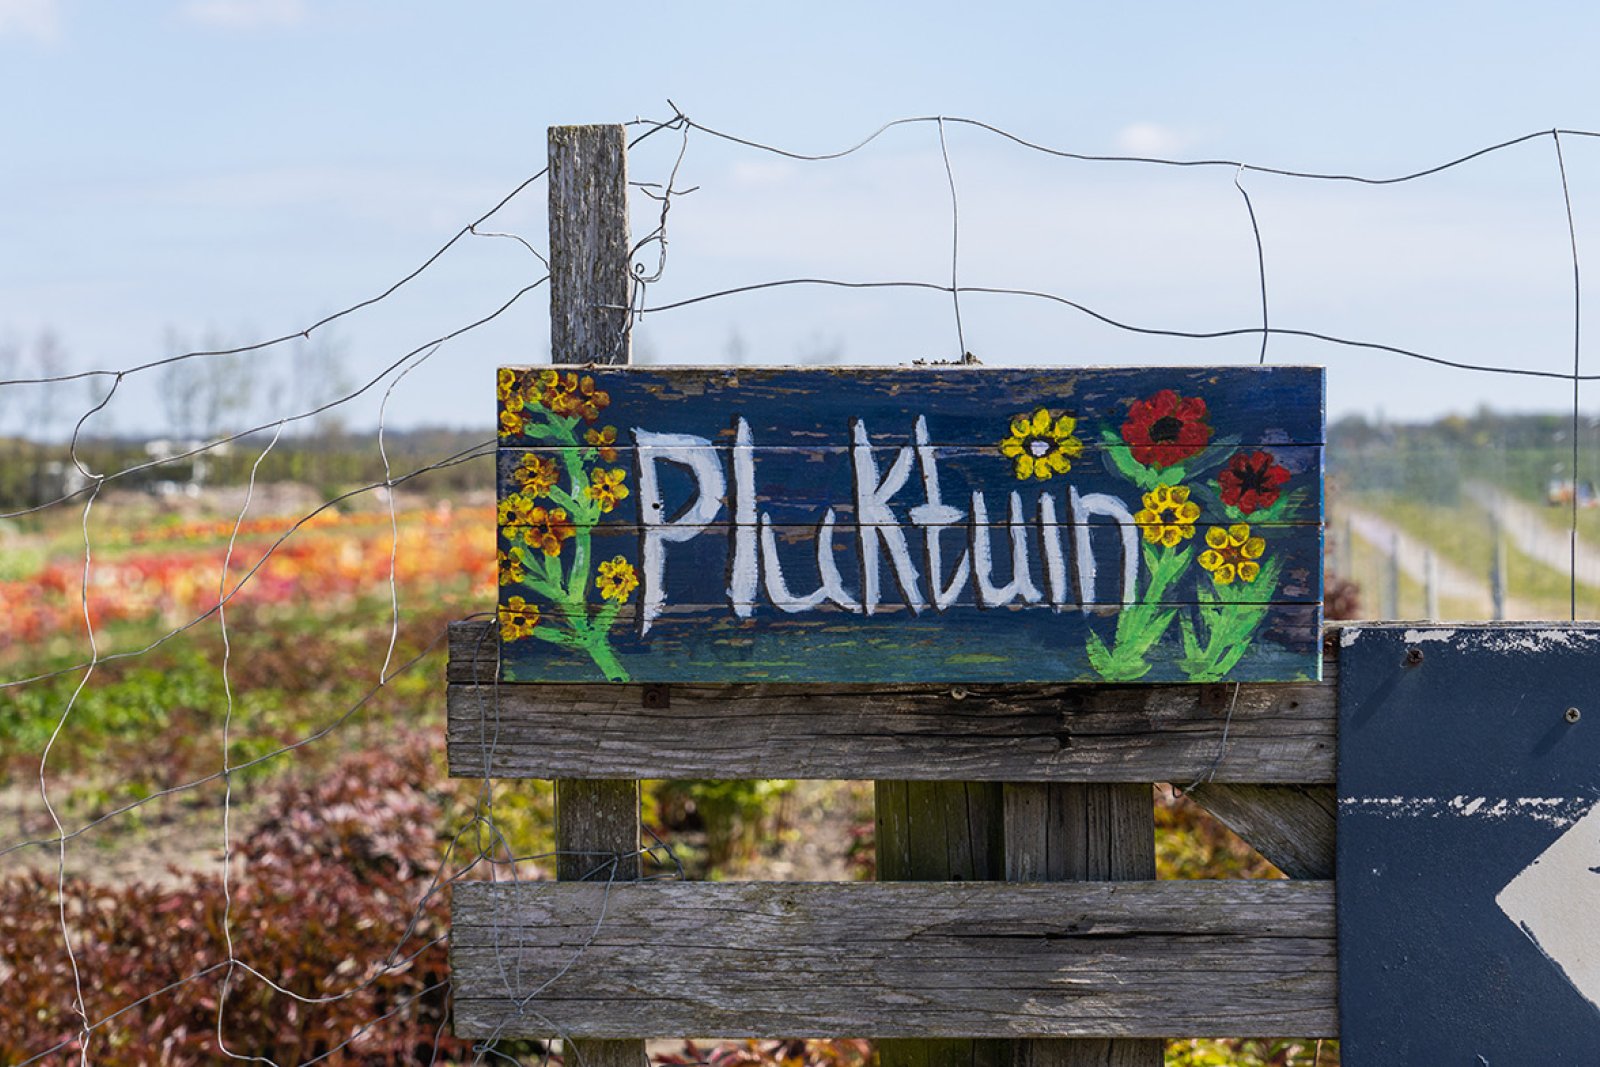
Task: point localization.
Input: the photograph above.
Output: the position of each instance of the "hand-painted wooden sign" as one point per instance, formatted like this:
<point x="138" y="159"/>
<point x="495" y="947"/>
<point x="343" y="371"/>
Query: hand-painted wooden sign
<point x="1469" y="844"/>
<point x="950" y="524"/>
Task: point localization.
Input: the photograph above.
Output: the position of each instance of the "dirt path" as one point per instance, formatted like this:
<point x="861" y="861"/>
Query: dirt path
<point x="1454" y="582"/>
<point x="1531" y="530"/>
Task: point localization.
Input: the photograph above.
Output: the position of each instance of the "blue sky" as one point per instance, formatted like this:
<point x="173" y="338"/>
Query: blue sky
<point x="183" y="169"/>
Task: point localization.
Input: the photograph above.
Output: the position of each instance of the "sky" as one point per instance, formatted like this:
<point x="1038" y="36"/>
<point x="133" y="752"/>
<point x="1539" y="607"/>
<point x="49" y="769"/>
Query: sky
<point x="179" y="173"/>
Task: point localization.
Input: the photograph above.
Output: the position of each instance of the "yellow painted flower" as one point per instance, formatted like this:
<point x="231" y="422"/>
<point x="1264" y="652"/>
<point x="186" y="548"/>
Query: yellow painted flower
<point x="511" y="423"/>
<point x="511" y="572"/>
<point x="536" y="474"/>
<point x="1042" y="445"/>
<point x="546" y="529"/>
<point x="1168" y="515"/>
<point x="517" y="619"/>
<point x="1232" y="553"/>
<point x="606" y="488"/>
<point x="604" y="442"/>
<point x="617" y="579"/>
<point x="517" y="510"/>
<point x="509" y="388"/>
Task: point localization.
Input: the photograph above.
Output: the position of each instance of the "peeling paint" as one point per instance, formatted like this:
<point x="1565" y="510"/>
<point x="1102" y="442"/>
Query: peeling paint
<point x="1348" y="636"/>
<point x="1417" y="637"/>
<point x="1556" y="811"/>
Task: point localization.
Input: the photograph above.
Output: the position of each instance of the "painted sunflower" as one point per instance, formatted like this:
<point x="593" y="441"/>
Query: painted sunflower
<point x="517" y="619"/>
<point x="1042" y="445"/>
<point x="1168" y="516"/>
<point x="617" y="579"/>
<point x="1232" y="553"/>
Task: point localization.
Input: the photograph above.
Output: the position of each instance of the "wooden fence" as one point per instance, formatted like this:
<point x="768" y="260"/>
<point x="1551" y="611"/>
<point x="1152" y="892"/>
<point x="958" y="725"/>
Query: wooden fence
<point x="954" y="959"/>
<point x="1014" y="786"/>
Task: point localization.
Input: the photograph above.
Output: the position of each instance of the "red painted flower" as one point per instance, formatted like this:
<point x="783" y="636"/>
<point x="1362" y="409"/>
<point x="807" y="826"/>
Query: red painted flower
<point x="1251" y="481"/>
<point x="1166" y="428"/>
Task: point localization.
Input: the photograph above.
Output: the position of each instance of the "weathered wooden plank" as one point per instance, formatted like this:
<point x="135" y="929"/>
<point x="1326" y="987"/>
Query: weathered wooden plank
<point x="1278" y="404"/>
<point x="1293" y="826"/>
<point x="1469" y="843"/>
<point x="699" y="571"/>
<point x="806" y="549"/>
<point x="1278" y="733"/>
<point x="1074" y="832"/>
<point x="1135" y="959"/>
<point x="1014" y="646"/>
<point x="799" y="486"/>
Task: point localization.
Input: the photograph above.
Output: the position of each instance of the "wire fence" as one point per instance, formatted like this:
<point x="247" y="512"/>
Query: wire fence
<point x="57" y="673"/>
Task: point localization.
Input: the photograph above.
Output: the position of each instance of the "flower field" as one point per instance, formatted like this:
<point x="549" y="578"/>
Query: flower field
<point x="169" y="576"/>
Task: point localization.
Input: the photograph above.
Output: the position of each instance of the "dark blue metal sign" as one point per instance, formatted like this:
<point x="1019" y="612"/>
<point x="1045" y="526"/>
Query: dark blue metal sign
<point x="1469" y="845"/>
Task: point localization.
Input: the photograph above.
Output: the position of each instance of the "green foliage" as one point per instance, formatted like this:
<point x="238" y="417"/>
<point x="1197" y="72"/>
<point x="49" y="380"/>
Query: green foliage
<point x="1140" y="626"/>
<point x="734" y="817"/>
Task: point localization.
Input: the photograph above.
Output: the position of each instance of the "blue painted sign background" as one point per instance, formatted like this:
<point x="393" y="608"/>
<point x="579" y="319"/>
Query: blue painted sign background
<point x="1469" y="845"/>
<point x="952" y="524"/>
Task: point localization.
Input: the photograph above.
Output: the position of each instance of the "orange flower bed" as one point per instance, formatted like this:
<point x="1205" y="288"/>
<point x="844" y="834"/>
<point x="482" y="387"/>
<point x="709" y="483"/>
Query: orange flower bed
<point x="332" y="559"/>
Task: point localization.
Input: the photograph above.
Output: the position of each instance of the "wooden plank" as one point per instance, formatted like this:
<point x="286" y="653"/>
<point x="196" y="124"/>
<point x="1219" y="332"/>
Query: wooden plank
<point x="1280" y="404"/>
<point x="597" y="821"/>
<point x="992" y="960"/>
<point x="700" y="587"/>
<point x="1074" y="832"/>
<point x="1293" y="826"/>
<point x="1278" y="733"/>
<point x="792" y="541"/>
<point x="1469" y="843"/>
<point x="797" y="486"/>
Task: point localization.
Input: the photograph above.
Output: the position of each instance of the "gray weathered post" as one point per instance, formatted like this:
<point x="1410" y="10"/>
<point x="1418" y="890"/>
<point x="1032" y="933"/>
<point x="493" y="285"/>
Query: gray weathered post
<point x="940" y="832"/>
<point x="1081" y="832"/>
<point x="597" y="822"/>
<point x="1497" y="568"/>
<point x="1430" y="581"/>
<point x="1391" y="583"/>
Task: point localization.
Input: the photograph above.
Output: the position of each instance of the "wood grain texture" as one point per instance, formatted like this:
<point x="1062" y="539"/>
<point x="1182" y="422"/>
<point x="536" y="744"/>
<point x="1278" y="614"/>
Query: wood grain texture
<point x="1293" y="826"/>
<point x="1074" y="832"/>
<point x="1108" y="960"/>
<point x="1279" y="733"/>
<point x="597" y="821"/>
<point x="589" y="270"/>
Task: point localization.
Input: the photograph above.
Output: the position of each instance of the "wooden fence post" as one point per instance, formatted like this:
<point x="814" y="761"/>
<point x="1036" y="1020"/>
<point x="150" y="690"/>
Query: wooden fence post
<point x="940" y="832"/>
<point x="597" y="822"/>
<point x="1081" y="832"/>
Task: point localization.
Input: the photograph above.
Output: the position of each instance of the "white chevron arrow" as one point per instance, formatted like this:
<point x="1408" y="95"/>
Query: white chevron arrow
<point x="1556" y="902"/>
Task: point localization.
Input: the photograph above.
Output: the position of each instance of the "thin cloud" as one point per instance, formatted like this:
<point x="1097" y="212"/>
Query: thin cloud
<point x="245" y="14"/>
<point x="1152" y="139"/>
<point x="36" y="19"/>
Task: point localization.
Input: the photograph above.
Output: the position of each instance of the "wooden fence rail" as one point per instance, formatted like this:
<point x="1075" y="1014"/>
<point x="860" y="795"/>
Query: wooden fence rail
<point x="1072" y="959"/>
